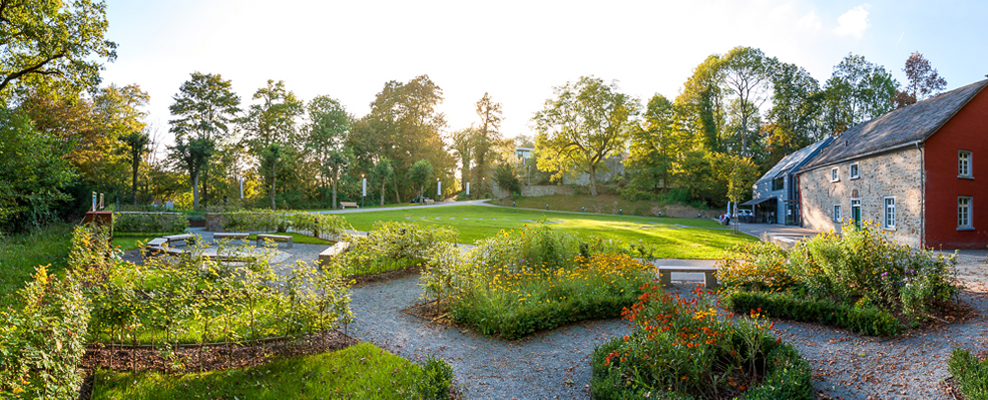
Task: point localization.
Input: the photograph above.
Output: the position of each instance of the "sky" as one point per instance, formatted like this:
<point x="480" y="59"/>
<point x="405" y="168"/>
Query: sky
<point x="516" y="50"/>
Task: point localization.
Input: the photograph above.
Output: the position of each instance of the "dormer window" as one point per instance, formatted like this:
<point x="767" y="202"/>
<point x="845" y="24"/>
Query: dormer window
<point x="835" y="174"/>
<point x="854" y="174"/>
<point x="964" y="164"/>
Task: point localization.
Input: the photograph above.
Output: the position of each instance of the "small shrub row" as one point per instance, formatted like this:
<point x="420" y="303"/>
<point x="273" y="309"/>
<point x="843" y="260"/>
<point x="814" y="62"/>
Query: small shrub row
<point x="149" y="222"/>
<point x="861" y="318"/>
<point x="521" y="282"/>
<point x="687" y="349"/>
<point x="42" y="344"/>
<point x="392" y="246"/>
<point x="970" y="373"/>
<point x="318" y="225"/>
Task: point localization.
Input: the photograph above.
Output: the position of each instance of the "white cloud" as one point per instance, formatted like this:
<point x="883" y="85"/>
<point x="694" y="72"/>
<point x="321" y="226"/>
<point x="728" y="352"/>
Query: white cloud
<point x="810" y="22"/>
<point x="854" y="22"/>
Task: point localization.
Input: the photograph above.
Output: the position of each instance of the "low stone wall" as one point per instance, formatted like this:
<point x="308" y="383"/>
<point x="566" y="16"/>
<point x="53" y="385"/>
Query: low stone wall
<point x="542" y="190"/>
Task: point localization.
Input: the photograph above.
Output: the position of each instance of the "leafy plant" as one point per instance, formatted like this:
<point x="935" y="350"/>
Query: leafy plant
<point x="437" y="380"/>
<point x="149" y="222"/>
<point x="971" y="374"/>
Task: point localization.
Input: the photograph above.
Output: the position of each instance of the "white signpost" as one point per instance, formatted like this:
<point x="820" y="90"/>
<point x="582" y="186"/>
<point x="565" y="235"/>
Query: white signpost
<point x="468" y="188"/>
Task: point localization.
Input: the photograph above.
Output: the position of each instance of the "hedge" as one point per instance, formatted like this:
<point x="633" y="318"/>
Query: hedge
<point x="868" y="320"/>
<point x="148" y="222"/>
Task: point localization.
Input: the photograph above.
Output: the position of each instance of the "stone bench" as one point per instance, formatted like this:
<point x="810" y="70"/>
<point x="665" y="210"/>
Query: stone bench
<point x="351" y="204"/>
<point x="430" y="201"/>
<point x="709" y="279"/>
<point x="245" y="237"/>
<point x="332" y="251"/>
<point x="186" y="239"/>
<point x="277" y="238"/>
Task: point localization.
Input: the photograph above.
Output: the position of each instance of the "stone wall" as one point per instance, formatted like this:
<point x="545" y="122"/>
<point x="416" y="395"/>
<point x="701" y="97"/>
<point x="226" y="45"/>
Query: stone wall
<point x="541" y="190"/>
<point x="895" y="174"/>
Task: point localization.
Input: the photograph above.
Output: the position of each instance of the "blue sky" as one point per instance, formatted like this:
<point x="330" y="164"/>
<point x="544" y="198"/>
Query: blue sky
<point x="517" y="50"/>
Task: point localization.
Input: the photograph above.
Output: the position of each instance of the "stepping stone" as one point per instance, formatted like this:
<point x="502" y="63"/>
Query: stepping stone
<point x="480" y="219"/>
<point x="422" y="218"/>
<point x="438" y="218"/>
<point x="452" y="218"/>
<point x="408" y="218"/>
<point x="465" y="219"/>
<point x="558" y="221"/>
<point x="493" y="219"/>
<point x="526" y="220"/>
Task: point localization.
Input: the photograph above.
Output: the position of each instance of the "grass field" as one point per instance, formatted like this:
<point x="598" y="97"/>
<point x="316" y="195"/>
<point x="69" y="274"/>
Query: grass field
<point x="675" y="238"/>
<point x="362" y="371"/>
<point x="21" y="253"/>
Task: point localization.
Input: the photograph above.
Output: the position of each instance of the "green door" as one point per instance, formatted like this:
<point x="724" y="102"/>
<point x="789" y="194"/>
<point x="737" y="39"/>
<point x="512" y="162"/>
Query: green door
<point x="856" y="212"/>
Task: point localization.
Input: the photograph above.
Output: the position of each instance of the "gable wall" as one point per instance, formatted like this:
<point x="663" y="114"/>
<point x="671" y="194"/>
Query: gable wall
<point x="967" y="130"/>
<point x="895" y="174"/>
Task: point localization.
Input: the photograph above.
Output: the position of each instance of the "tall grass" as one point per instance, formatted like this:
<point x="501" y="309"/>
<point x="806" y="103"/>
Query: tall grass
<point x="21" y="253"/>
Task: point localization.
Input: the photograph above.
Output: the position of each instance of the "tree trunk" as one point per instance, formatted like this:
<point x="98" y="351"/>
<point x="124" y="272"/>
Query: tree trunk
<point x="274" y="182"/>
<point x="397" y="196"/>
<point x="195" y="192"/>
<point x="134" y="181"/>
<point x="383" y="189"/>
<point x="205" y="194"/>
<point x="334" y="194"/>
<point x="593" y="181"/>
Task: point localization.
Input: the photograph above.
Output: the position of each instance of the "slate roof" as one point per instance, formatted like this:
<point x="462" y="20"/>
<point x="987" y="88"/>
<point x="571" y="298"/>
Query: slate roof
<point x="794" y="160"/>
<point x="904" y="126"/>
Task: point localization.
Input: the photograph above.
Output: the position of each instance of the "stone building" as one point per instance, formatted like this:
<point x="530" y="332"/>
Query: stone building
<point x="912" y="171"/>
<point x="776" y="198"/>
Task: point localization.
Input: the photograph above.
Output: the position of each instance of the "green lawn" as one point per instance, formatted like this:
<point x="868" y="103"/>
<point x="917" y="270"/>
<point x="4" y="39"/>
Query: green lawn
<point x="700" y="239"/>
<point x="21" y="253"/>
<point x="362" y="371"/>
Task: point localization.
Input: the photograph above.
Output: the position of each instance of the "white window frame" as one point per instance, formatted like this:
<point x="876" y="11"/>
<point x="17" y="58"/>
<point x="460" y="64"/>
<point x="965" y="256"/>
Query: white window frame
<point x="835" y="174"/>
<point x="888" y="223"/>
<point x="837" y="213"/>
<point x="966" y="163"/>
<point x="968" y="210"/>
<point x="854" y="171"/>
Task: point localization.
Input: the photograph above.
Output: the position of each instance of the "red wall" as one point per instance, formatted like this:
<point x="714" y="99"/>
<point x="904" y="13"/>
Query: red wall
<point x="967" y="130"/>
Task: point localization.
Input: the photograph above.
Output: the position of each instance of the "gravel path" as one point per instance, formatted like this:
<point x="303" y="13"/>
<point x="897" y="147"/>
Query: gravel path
<point x="550" y="365"/>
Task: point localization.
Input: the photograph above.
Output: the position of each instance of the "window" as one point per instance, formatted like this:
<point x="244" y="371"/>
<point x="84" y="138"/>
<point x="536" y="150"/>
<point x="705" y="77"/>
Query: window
<point x="837" y="217"/>
<point x="854" y="171"/>
<point x="890" y="212"/>
<point x="778" y="184"/>
<point x="835" y="174"/>
<point x="964" y="212"/>
<point x="963" y="164"/>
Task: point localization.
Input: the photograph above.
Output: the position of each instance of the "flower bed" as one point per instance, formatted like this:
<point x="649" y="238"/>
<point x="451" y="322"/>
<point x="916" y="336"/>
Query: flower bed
<point x="861" y="280"/>
<point x="526" y="281"/>
<point x="391" y="246"/>
<point x="688" y="349"/>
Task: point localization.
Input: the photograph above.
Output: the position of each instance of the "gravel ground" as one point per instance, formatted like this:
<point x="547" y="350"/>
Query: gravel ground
<point x="556" y="364"/>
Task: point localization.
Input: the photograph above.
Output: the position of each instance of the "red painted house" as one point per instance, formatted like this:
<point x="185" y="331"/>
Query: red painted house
<point x="919" y="172"/>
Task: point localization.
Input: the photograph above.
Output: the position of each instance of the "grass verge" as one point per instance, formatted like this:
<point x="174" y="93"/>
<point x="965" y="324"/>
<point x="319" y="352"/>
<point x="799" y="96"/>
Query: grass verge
<point x="362" y="371"/>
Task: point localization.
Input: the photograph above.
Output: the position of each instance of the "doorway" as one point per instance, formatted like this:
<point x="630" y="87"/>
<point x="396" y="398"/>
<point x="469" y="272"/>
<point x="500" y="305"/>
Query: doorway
<point x="856" y="212"/>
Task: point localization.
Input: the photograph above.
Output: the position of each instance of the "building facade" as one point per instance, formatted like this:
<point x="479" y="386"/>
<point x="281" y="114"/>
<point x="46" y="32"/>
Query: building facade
<point x="775" y="195"/>
<point x="912" y="172"/>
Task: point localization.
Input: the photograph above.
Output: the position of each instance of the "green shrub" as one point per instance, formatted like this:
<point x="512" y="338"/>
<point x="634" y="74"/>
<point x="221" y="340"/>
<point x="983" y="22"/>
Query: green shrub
<point x="437" y="379"/>
<point x="686" y="349"/>
<point x="864" y="319"/>
<point x="758" y="266"/>
<point x="521" y="282"/>
<point x="42" y="344"/>
<point x="970" y="373"/>
<point x="149" y="222"/>
<point x="318" y="225"/>
<point x="391" y="246"/>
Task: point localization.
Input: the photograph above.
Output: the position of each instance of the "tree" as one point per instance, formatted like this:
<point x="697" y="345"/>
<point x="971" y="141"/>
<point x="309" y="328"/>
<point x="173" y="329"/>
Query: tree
<point x="381" y="173"/>
<point x="585" y="123"/>
<point x="420" y="175"/>
<point x="487" y="135"/>
<point x="271" y="157"/>
<point x="327" y="130"/>
<point x="192" y="155"/>
<point x="273" y="122"/>
<point x="53" y="42"/>
<point x="464" y="144"/>
<point x="924" y="80"/>
<point x="858" y="91"/>
<point x="747" y="75"/>
<point x="702" y="102"/>
<point x="205" y="108"/>
<point x="33" y="173"/>
<point x="653" y="146"/>
<point x="794" y="119"/>
<point x="739" y="173"/>
<point x="137" y="145"/>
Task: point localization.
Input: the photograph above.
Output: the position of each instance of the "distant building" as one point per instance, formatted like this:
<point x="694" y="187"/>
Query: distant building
<point x="523" y="153"/>
<point x="914" y="172"/>
<point x="776" y="194"/>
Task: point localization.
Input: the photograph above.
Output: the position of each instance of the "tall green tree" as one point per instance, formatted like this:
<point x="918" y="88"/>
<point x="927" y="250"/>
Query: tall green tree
<point x="53" y="43"/>
<point x="747" y="76"/>
<point x="739" y="173"/>
<point x="858" y="91"/>
<point x="33" y="174"/>
<point x="137" y="146"/>
<point x="464" y="143"/>
<point x="420" y="175"/>
<point x="487" y="136"/>
<point x="327" y="130"/>
<point x="382" y="172"/>
<point x="273" y="121"/>
<point x="204" y="108"/>
<point x="192" y="155"/>
<point x="585" y="123"/>
<point x="653" y="145"/>
<point x="794" y="119"/>
<point x="702" y="102"/>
